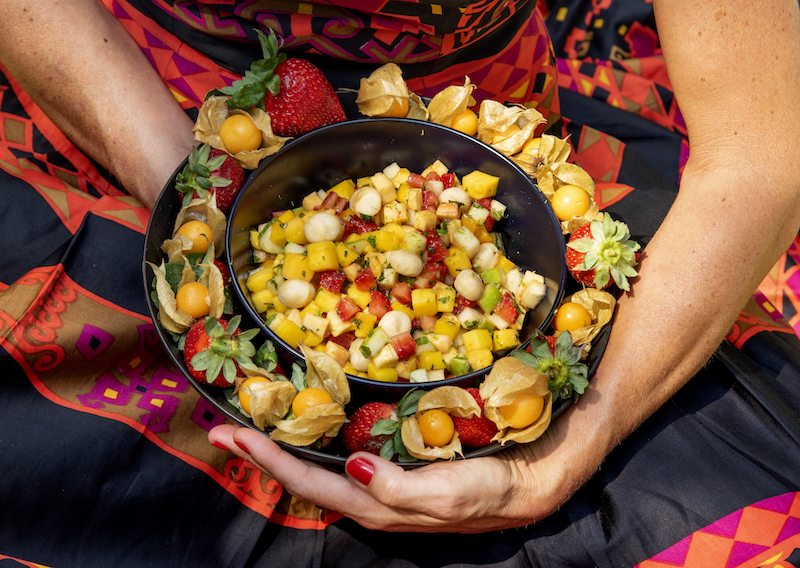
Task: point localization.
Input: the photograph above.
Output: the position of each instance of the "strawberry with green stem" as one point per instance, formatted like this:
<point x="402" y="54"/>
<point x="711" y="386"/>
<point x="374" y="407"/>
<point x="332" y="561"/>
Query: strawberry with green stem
<point x="375" y="427"/>
<point x="294" y="92"/>
<point x="602" y="252"/>
<point x="567" y="376"/>
<point x="210" y="170"/>
<point x="216" y="351"/>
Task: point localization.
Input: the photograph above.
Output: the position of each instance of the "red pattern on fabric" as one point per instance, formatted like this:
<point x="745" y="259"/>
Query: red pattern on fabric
<point x="761" y="535"/>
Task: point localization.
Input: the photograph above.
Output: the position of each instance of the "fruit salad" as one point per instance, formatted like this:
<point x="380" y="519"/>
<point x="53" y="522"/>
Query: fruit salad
<point x="398" y="276"/>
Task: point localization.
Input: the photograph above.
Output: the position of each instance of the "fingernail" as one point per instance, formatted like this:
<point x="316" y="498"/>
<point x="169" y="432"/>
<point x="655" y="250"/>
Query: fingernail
<point x="360" y="470"/>
<point x="242" y="446"/>
<point x="220" y="446"/>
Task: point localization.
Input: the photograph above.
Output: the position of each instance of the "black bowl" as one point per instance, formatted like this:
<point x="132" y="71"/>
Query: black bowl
<point x="359" y="148"/>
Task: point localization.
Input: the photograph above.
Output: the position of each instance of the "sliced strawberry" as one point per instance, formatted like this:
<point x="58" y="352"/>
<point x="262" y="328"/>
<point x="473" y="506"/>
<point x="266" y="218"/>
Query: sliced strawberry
<point x="332" y="280"/>
<point x="461" y="303"/>
<point x="475" y="431"/>
<point x="347" y="308"/>
<point x="415" y="180"/>
<point x="486" y="203"/>
<point x="434" y="246"/>
<point x="405" y="345"/>
<point x="438" y="269"/>
<point x="329" y="202"/>
<point x="344" y="339"/>
<point x="602" y="252"/>
<point x="429" y="200"/>
<point x="425" y="279"/>
<point x="365" y="280"/>
<point x="433" y="176"/>
<point x="507" y="308"/>
<point x="449" y="180"/>
<point x="378" y="304"/>
<point x="401" y="292"/>
<point x="357" y="225"/>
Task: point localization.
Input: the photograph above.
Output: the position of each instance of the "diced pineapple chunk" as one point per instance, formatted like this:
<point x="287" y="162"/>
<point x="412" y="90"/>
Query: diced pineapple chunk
<point x="316" y="324"/>
<point x="414" y="198"/>
<point x="344" y="188"/>
<point x="505" y="339"/>
<point x="257" y="280"/>
<point x="423" y="301"/>
<point x="386" y="357"/>
<point x="477" y="339"/>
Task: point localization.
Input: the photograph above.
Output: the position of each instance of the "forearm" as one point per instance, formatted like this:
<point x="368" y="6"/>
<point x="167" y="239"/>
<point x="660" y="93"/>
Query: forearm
<point x="737" y="212"/>
<point x="78" y="63"/>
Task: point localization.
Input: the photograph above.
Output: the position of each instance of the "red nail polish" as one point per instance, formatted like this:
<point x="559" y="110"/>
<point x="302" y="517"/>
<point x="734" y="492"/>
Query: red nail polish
<point x="220" y="446"/>
<point x="360" y="470"/>
<point x="242" y="446"/>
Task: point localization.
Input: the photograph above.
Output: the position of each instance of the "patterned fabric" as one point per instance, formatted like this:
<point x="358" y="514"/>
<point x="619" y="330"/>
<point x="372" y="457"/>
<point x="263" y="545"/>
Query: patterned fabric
<point x="103" y="444"/>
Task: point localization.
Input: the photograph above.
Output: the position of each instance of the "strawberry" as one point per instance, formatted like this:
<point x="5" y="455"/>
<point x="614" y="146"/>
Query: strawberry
<point x="560" y="360"/>
<point x="210" y="170"/>
<point x="357" y="433"/>
<point x="600" y="252"/>
<point x="475" y="431"/>
<point x="215" y="350"/>
<point x="293" y="91"/>
<point x="375" y="427"/>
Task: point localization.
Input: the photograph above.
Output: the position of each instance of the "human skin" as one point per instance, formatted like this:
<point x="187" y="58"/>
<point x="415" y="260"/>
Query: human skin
<point x="87" y="74"/>
<point x="735" y="69"/>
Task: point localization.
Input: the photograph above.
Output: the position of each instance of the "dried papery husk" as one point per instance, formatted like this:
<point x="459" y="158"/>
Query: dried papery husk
<point x="508" y="379"/>
<point x="495" y="118"/>
<point x="552" y="176"/>
<point x="453" y="400"/>
<point x="600" y="305"/>
<point x="553" y="150"/>
<point x="176" y="247"/>
<point x="415" y="445"/>
<point x="577" y="221"/>
<point x="214" y="112"/>
<point x="381" y="91"/>
<point x="314" y="423"/>
<point x="417" y="109"/>
<point x="323" y="372"/>
<point x="205" y="210"/>
<point x="270" y="400"/>
<point x="169" y="316"/>
<point x="214" y="282"/>
<point x="450" y="103"/>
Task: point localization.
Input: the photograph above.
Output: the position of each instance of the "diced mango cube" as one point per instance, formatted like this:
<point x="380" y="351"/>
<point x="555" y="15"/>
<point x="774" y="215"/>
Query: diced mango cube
<point x="262" y="300"/>
<point x="386" y="375"/>
<point x="323" y="256"/>
<point x="480" y="185"/>
<point x="423" y="301"/>
<point x="403" y="308"/>
<point x="257" y="280"/>
<point x="312" y="339"/>
<point x="445" y="297"/>
<point x="477" y="339"/>
<point x="344" y="188"/>
<point x="389" y="237"/>
<point x="362" y="298"/>
<point x="480" y="358"/>
<point x="290" y="332"/>
<point x="294" y="231"/>
<point x="505" y="263"/>
<point x="448" y="325"/>
<point x="311" y="308"/>
<point x="285" y="217"/>
<point x="364" y="322"/>
<point x="326" y="300"/>
<point x="296" y="266"/>
<point x="430" y="361"/>
<point x="437" y="167"/>
<point x="346" y="254"/>
<point x="505" y="339"/>
<point x="456" y="261"/>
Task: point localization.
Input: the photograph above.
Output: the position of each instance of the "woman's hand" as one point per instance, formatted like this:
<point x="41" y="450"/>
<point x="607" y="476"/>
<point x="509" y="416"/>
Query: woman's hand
<point x="514" y="487"/>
